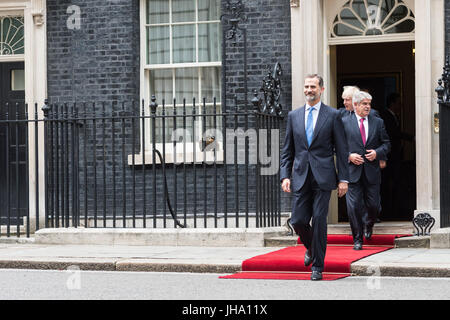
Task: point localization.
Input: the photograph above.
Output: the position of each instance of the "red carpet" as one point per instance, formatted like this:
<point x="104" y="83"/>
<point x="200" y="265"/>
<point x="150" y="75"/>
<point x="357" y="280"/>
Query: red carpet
<point x="376" y="240"/>
<point x="288" y="263"/>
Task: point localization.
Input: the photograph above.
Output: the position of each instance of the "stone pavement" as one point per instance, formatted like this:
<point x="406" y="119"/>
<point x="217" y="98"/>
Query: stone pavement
<point x="25" y="254"/>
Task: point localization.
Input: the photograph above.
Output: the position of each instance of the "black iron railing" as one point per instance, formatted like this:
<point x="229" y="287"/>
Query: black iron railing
<point x="100" y="165"/>
<point x="110" y="168"/>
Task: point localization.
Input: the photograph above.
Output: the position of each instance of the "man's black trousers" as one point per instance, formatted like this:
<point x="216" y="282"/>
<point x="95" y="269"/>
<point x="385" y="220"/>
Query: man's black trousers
<point x="310" y="203"/>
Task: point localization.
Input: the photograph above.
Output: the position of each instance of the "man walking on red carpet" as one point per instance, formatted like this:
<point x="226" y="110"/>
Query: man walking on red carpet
<point x="368" y="142"/>
<point x="314" y="133"/>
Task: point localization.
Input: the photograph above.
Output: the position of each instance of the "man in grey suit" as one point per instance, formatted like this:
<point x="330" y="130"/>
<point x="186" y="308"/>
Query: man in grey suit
<point x="314" y="133"/>
<point x="368" y="142"/>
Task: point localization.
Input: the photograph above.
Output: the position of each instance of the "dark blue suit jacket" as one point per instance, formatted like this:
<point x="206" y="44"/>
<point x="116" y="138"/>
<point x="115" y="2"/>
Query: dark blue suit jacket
<point x="377" y="140"/>
<point x="297" y="157"/>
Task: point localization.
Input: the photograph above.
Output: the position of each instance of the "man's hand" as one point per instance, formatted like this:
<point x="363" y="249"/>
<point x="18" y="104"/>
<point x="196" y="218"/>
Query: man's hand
<point x="286" y="185"/>
<point x="356" y="159"/>
<point x="342" y="189"/>
<point x="371" y="155"/>
<point x="382" y="164"/>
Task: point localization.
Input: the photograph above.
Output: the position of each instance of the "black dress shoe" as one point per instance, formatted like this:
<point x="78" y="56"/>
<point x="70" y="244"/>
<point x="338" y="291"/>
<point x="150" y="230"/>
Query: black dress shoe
<point x="308" y="258"/>
<point x="316" y="275"/>
<point x="368" y="233"/>
<point x="357" y="246"/>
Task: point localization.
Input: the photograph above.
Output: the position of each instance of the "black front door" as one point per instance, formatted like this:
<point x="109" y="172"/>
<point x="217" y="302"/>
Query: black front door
<point x="13" y="152"/>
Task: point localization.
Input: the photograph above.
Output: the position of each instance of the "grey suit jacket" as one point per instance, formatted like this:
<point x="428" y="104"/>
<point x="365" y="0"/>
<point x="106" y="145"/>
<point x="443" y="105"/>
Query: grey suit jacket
<point x="377" y="140"/>
<point x="328" y="139"/>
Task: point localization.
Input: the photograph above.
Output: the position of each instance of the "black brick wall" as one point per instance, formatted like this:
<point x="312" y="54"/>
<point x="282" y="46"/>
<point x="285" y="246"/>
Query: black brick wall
<point x="267" y="26"/>
<point x="100" y="63"/>
<point x="268" y="31"/>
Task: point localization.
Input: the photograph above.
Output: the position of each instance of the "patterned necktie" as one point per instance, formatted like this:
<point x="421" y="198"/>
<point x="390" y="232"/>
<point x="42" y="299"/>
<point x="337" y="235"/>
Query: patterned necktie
<point x="362" y="129"/>
<point x="309" y="126"/>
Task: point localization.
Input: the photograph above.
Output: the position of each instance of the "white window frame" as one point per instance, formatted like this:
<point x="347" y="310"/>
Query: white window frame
<point x="184" y="151"/>
<point x="13" y="57"/>
<point x="339" y="40"/>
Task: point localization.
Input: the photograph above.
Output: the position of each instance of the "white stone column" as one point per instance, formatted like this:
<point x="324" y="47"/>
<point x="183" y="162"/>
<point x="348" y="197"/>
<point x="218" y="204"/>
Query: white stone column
<point x="429" y="62"/>
<point x="307" y="45"/>
<point x="36" y="92"/>
<point x="309" y="55"/>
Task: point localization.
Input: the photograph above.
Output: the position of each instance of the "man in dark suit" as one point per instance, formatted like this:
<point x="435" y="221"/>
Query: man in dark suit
<point x="349" y="109"/>
<point x="314" y="133"/>
<point x="368" y="142"/>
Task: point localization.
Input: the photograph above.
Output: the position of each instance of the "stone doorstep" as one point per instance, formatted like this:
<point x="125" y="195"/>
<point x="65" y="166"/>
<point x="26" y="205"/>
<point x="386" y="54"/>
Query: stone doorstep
<point x="405" y="242"/>
<point x="413" y="242"/>
<point x="344" y="228"/>
<point x="440" y="239"/>
<point x="218" y="237"/>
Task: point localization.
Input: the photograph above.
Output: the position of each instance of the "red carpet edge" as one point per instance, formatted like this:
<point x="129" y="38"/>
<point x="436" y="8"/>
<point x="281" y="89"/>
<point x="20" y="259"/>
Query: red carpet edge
<point x="288" y="264"/>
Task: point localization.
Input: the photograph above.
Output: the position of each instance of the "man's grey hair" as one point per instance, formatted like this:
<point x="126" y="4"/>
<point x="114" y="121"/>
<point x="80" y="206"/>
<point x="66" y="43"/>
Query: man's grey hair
<point x="359" y="96"/>
<point x="349" y="91"/>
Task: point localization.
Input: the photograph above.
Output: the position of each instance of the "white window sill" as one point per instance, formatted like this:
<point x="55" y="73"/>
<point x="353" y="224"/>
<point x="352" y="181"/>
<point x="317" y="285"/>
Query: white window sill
<point x="181" y="157"/>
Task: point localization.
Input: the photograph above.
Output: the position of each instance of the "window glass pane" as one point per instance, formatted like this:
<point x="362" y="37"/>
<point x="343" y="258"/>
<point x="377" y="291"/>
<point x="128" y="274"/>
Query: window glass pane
<point x="183" y="10"/>
<point x="386" y="7"/>
<point x="405" y="26"/>
<point x="399" y="13"/>
<point x="211" y="84"/>
<point x="210" y="124"/>
<point x="208" y="10"/>
<point x="17" y="80"/>
<point x="342" y="30"/>
<point x="161" y="85"/>
<point x="348" y="16"/>
<point x="209" y="42"/>
<point x="158" y="45"/>
<point x="11" y="35"/>
<point x="360" y="8"/>
<point x="183" y="43"/>
<point x="170" y="133"/>
<point x="186" y="85"/>
<point x="158" y="11"/>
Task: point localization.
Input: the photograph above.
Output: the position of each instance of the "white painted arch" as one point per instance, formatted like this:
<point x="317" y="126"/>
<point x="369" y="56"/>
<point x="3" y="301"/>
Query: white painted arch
<point x="310" y="23"/>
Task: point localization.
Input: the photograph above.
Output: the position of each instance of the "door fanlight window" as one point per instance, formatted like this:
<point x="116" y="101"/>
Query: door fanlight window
<point x="373" y="17"/>
<point x="12" y="35"/>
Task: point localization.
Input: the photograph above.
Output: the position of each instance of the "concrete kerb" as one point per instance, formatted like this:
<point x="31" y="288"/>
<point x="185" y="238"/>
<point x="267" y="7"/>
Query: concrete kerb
<point x="218" y="237"/>
<point x="387" y="269"/>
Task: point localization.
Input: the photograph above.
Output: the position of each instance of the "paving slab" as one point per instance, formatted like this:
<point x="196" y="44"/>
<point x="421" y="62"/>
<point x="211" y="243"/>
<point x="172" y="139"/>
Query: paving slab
<point x="127" y="258"/>
<point x="402" y="262"/>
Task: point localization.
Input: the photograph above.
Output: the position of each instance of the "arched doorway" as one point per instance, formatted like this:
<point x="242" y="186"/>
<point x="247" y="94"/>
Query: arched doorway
<point x="372" y="43"/>
<point x="320" y="42"/>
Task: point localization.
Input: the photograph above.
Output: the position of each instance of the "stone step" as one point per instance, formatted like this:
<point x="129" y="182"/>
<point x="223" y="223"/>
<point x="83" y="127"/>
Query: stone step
<point x="413" y="242"/>
<point x="344" y="228"/>
<point x="379" y="228"/>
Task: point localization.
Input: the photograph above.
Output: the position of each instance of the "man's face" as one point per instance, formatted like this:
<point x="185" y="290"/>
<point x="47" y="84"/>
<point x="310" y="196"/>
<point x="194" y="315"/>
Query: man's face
<point x="348" y="103"/>
<point x="312" y="90"/>
<point x="363" y="108"/>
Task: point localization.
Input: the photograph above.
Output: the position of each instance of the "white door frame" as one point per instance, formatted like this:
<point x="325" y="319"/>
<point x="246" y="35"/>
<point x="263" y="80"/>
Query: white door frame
<point x="35" y="61"/>
<point x="311" y="53"/>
